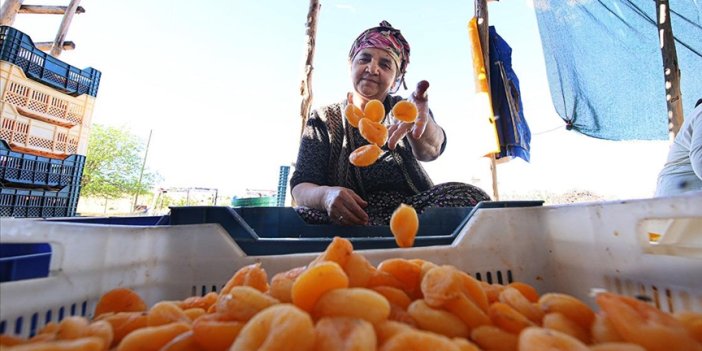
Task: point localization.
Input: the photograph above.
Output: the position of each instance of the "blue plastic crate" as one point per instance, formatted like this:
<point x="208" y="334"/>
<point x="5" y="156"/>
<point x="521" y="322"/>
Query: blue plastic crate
<point x="19" y="49"/>
<point x="280" y="230"/>
<point x="21" y="203"/>
<point x="24" y="261"/>
<point x="30" y="171"/>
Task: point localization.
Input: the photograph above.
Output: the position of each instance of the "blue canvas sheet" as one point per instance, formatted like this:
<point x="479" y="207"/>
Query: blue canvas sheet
<point x="605" y="68"/>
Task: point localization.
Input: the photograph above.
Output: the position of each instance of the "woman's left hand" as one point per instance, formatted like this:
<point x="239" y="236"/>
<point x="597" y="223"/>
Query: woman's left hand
<point x="398" y="131"/>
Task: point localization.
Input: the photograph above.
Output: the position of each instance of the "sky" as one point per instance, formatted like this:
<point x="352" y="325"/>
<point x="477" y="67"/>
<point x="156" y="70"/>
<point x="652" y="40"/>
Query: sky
<point x="218" y="86"/>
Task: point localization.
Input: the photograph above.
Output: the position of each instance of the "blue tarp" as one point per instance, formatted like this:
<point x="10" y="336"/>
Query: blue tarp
<point x="512" y="128"/>
<point x="605" y="67"/>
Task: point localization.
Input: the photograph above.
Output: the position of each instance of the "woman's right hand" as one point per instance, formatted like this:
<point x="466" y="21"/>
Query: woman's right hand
<point x="345" y="207"/>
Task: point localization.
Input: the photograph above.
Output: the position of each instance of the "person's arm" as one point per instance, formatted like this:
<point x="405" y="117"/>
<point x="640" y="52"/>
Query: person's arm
<point x="424" y="135"/>
<point x="342" y="205"/>
<point x="696" y="142"/>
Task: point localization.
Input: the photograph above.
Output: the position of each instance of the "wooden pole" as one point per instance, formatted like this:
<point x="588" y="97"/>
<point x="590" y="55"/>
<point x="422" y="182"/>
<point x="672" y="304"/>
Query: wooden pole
<point x="47" y="45"/>
<point x="63" y="28"/>
<point x="8" y="11"/>
<point x="481" y="13"/>
<point x="671" y="70"/>
<point x="306" y="84"/>
<point x="47" y="10"/>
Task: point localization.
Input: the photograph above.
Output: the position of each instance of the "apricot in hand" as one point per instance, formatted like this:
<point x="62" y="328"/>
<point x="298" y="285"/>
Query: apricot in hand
<point x="405" y="111"/>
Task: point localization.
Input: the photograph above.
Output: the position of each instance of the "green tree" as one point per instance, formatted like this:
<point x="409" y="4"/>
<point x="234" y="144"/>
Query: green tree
<point x="113" y="163"/>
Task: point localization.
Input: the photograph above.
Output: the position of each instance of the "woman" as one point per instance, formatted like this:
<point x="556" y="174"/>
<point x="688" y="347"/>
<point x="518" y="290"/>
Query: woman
<point x="682" y="171"/>
<point x="328" y="189"/>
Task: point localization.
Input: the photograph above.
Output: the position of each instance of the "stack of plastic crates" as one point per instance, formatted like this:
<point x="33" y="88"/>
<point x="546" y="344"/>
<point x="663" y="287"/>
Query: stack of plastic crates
<point x="46" y="108"/>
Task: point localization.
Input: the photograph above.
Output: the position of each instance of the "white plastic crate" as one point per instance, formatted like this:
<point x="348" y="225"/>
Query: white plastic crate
<point x="570" y="249"/>
<point x="40" y="101"/>
<point x="37" y="137"/>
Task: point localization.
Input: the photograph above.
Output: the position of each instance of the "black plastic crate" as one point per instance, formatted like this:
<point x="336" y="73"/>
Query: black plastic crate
<point x="21" y="203"/>
<point x="19" y="49"/>
<point x="30" y="171"/>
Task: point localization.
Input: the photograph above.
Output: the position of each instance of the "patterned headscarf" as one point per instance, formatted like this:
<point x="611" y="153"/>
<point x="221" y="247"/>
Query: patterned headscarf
<point x="387" y="38"/>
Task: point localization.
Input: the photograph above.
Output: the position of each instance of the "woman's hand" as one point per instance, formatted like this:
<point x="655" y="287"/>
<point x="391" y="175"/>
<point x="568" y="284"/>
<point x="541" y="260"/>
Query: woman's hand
<point x="427" y="148"/>
<point x="345" y="207"/>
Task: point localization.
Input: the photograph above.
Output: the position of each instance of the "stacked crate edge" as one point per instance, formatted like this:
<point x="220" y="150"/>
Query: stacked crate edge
<point x="18" y="48"/>
<point x="41" y="120"/>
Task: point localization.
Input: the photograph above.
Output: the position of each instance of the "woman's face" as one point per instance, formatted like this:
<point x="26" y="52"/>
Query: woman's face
<point x="373" y="72"/>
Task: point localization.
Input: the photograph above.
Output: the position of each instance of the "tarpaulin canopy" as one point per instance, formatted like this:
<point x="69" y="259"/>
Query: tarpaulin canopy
<point x="605" y="67"/>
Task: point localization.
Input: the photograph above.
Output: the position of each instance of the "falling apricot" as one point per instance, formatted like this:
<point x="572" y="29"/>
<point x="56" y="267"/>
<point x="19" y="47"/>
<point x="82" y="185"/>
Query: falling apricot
<point x="374" y="132"/>
<point x="374" y="110"/>
<point x="404" y="225"/>
<point x="353" y="114"/>
<point x="365" y="155"/>
<point x="405" y="111"/>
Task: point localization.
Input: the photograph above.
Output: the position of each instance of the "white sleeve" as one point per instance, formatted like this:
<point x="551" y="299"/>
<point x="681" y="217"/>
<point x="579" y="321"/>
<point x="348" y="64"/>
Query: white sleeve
<point x="696" y="142"/>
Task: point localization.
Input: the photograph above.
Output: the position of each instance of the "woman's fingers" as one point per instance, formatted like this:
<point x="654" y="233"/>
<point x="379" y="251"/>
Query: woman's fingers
<point x="397" y="133"/>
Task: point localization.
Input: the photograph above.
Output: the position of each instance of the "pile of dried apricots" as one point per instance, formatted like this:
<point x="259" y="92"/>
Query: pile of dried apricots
<point x="340" y="301"/>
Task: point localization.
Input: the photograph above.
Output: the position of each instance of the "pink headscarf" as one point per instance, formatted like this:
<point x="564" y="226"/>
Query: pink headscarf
<point x="387" y="38"/>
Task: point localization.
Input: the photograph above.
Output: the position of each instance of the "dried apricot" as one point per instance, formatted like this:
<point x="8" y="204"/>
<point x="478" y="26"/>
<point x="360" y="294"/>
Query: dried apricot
<point x="165" y="312"/>
<point x="183" y="342"/>
<point x="643" y="324"/>
<point x="602" y="330"/>
<point x="352" y="302"/>
<point x="194" y="313"/>
<point x="374" y="110"/>
<point x="73" y="327"/>
<point x="616" y="346"/>
<point x="467" y="311"/>
<point x="277" y="328"/>
<point x="557" y="321"/>
<point x="527" y="290"/>
<point x="394" y="295"/>
<point x="213" y="334"/>
<point x="281" y="284"/>
<point x="316" y="281"/>
<point x="437" y="320"/>
<point x="344" y="334"/>
<point x="692" y="322"/>
<point x="339" y="251"/>
<point x="519" y="302"/>
<point x="124" y="323"/>
<point x="120" y="300"/>
<point x="102" y="330"/>
<point x="374" y="132"/>
<point x="465" y="345"/>
<point x="416" y="340"/>
<point x="243" y="302"/>
<point x="203" y="302"/>
<point x="490" y="337"/>
<point x="252" y="275"/>
<point x="90" y="343"/>
<point x="359" y="270"/>
<point x="387" y="329"/>
<point x="353" y="114"/>
<point x="540" y="339"/>
<point x="404" y="224"/>
<point x="405" y="111"/>
<point x="408" y="273"/>
<point x="570" y="306"/>
<point x="152" y="338"/>
<point x="11" y="340"/>
<point x="507" y="318"/>
<point x="365" y="155"/>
